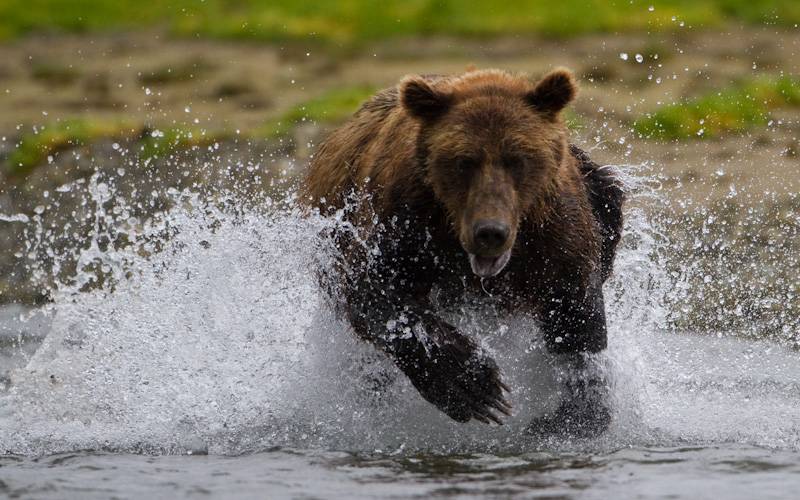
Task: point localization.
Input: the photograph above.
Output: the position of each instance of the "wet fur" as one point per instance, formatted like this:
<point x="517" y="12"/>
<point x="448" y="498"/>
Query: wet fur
<point x="398" y="174"/>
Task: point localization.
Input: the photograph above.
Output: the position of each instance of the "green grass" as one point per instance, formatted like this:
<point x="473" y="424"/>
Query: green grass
<point x="34" y="148"/>
<point x="735" y="109"/>
<point x="332" y="107"/>
<point x="160" y="142"/>
<point x="348" y="21"/>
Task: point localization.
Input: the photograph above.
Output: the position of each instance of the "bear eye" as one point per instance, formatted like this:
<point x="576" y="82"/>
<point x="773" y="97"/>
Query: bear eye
<point x="514" y="162"/>
<point x="465" y="163"/>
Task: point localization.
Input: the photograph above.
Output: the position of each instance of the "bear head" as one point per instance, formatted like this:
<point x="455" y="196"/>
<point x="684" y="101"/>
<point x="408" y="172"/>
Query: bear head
<point x="494" y="149"/>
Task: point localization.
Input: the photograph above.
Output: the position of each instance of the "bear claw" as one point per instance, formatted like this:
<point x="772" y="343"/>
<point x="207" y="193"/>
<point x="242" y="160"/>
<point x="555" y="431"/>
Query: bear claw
<point x="483" y="418"/>
<point x="497" y="403"/>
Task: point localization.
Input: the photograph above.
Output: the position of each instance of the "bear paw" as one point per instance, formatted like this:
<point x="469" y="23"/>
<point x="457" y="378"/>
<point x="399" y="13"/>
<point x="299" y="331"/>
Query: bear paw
<point x="472" y="389"/>
<point x="574" y="418"/>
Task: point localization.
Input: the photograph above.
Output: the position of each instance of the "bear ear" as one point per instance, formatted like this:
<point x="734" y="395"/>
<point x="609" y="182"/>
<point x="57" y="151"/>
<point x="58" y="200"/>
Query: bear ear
<point x="422" y="101"/>
<point x="554" y="92"/>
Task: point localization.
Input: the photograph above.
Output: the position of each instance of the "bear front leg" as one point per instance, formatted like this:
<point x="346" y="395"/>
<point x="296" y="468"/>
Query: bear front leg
<point x="574" y="329"/>
<point x="447" y="368"/>
<point x="584" y="412"/>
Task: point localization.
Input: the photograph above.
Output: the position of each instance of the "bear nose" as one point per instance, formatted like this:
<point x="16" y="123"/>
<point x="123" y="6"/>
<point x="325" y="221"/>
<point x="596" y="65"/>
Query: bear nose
<point x="490" y="234"/>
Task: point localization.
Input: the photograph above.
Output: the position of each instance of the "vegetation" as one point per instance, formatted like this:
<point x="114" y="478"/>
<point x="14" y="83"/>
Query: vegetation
<point x="331" y="107"/>
<point x="735" y="109"/>
<point x="33" y="149"/>
<point x="354" y="21"/>
<point x="349" y="21"/>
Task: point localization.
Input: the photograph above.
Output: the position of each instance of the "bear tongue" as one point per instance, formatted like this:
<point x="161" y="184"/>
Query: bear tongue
<point x="488" y="266"/>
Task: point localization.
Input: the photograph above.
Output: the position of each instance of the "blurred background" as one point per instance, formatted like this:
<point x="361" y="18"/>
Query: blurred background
<point x="697" y="100"/>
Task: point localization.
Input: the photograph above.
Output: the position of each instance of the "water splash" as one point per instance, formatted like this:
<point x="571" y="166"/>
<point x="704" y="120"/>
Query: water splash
<point x="204" y="330"/>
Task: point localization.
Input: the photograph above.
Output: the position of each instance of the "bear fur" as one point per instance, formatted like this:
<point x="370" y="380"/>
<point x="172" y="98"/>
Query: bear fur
<point x="455" y="183"/>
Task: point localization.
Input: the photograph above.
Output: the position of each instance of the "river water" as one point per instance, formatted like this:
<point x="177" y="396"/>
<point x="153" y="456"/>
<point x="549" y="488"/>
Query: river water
<point x="200" y="360"/>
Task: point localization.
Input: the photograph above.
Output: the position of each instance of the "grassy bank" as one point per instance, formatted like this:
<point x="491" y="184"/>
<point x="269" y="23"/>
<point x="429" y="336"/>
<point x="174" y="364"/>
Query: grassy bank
<point x="349" y="21"/>
<point x="734" y="109"/>
<point x="38" y="146"/>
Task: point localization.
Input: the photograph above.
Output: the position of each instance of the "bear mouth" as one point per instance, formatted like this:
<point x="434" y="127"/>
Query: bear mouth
<point x="487" y="266"/>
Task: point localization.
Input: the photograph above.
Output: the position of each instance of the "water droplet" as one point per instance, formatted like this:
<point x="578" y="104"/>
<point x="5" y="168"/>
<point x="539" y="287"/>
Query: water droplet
<point x="639" y="58"/>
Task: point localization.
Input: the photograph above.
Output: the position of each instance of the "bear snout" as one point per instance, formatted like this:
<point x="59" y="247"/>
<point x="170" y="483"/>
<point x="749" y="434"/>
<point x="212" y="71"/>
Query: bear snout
<point x="490" y="235"/>
<point x="490" y="248"/>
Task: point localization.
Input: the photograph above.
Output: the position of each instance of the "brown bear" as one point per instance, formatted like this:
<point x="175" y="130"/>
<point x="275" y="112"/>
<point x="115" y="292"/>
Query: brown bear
<point x="446" y="185"/>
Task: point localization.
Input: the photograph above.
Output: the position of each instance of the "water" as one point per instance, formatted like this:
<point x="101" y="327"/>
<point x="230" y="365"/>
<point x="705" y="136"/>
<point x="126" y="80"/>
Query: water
<point x="721" y="471"/>
<point x="199" y="359"/>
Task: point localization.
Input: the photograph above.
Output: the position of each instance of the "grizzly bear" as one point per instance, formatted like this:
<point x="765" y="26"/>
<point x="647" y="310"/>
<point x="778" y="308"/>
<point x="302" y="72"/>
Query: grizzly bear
<point x="444" y="185"/>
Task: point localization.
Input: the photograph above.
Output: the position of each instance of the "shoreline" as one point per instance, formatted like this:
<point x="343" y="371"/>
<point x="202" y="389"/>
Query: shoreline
<point x="149" y="82"/>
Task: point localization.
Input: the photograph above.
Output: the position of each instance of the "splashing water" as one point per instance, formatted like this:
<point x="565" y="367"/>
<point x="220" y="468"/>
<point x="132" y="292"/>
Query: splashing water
<point x="207" y="332"/>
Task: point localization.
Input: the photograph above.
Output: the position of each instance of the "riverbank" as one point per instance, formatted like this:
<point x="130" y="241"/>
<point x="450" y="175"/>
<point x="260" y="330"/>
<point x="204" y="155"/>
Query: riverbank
<point x="146" y="114"/>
